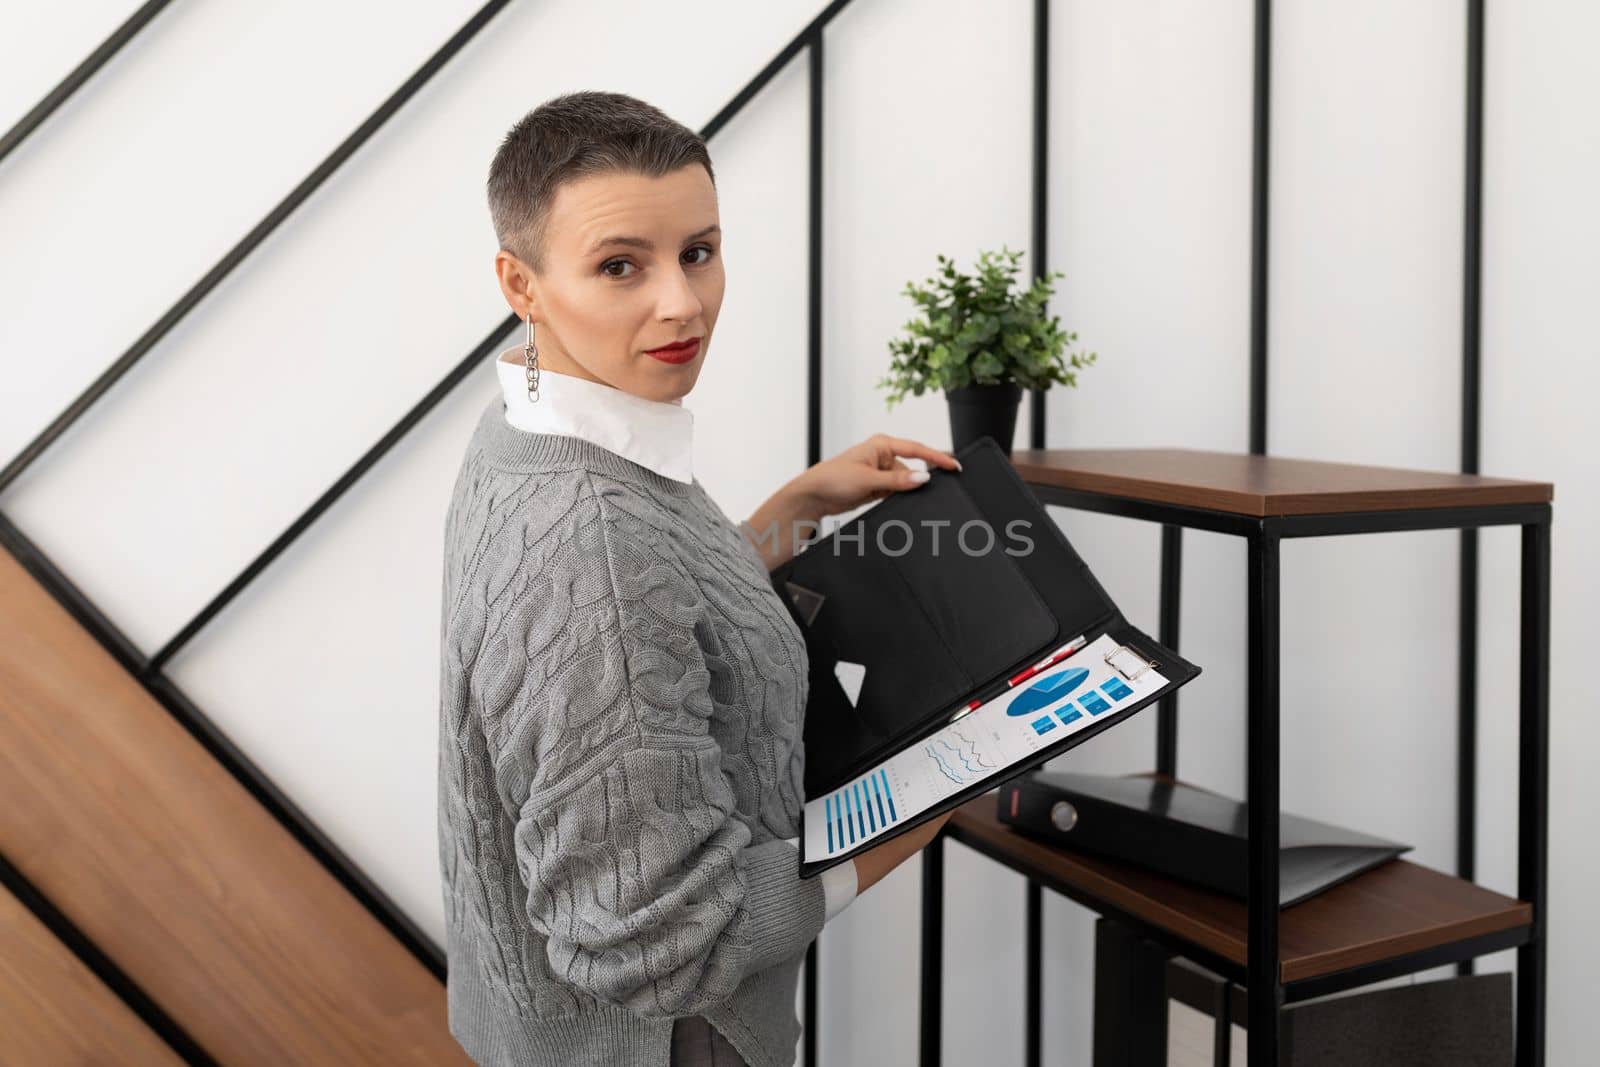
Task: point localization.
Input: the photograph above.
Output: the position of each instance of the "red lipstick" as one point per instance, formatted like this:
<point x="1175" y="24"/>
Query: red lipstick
<point x="679" y="352"/>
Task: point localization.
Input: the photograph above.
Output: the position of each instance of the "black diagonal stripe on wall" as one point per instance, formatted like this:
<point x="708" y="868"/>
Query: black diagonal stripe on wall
<point x="80" y="74"/>
<point x="252" y="240"/>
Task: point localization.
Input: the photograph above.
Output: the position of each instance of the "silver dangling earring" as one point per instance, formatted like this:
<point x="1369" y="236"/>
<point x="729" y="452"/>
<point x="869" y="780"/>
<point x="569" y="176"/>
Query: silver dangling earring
<point x="530" y="355"/>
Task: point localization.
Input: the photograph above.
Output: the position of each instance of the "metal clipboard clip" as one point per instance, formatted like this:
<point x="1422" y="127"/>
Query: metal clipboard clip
<point x="1128" y="659"/>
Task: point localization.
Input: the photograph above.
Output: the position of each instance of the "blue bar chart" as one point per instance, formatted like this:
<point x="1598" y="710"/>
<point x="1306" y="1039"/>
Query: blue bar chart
<point x="974" y="749"/>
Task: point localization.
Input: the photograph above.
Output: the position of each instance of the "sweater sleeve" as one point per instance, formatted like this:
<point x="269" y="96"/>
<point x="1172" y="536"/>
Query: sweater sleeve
<point x="641" y="874"/>
<point x="839" y="884"/>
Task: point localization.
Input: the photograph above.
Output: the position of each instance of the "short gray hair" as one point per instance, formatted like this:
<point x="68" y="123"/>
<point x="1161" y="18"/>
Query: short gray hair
<point x="573" y="136"/>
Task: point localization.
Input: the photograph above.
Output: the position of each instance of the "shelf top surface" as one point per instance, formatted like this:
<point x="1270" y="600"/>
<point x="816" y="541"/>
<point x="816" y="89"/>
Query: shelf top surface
<point x="1243" y="484"/>
<point x="1392" y="910"/>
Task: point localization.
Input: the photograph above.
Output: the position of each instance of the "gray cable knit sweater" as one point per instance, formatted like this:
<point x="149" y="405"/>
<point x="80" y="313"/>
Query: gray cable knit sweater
<point x="621" y="700"/>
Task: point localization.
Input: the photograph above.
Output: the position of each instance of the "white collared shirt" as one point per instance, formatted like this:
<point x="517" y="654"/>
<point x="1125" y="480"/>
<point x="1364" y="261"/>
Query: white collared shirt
<point x="657" y="434"/>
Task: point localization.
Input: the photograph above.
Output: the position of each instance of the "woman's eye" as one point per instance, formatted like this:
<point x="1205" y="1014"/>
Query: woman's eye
<point x="606" y="267"/>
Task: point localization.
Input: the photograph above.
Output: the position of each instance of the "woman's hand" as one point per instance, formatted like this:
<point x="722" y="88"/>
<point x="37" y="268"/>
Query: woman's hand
<point x="879" y="860"/>
<point x="866" y="472"/>
<point x="860" y="474"/>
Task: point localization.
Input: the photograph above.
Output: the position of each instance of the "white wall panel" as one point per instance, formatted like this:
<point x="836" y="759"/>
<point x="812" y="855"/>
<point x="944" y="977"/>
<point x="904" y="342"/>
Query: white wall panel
<point x="1365" y="356"/>
<point x="750" y="402"/>
<point x="928" y="143"/>
<point x="1541" y="377"/>
<point x="325" y="670"/>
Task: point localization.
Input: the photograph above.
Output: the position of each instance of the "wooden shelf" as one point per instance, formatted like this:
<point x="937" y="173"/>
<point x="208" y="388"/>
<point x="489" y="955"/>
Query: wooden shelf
<point x="1258" y="486"/>
<point x="1395" y="910"/>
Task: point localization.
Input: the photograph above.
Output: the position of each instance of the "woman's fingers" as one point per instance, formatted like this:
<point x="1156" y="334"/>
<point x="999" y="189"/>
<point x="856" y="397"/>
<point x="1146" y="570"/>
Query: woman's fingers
<point x="904" y="446"/>
<point x="899" y="476"/>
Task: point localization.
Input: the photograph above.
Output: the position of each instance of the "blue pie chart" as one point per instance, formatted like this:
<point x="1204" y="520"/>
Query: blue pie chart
<point x="1047" y="691"/>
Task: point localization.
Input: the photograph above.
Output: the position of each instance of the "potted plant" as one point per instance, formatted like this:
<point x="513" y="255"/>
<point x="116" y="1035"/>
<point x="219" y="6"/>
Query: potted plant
<point x="982" y="343"/>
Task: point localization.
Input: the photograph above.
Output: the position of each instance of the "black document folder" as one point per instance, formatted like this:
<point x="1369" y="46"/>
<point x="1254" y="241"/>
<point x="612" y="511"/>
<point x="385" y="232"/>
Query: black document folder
<point x="1186" y="832"/>
<point x="939" y="597"/>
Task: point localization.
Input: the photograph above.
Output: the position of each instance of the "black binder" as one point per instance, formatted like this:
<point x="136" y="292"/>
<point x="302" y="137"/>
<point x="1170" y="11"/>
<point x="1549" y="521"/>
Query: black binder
<point x="1185" y="832"/>
<point x="942" y="593"/>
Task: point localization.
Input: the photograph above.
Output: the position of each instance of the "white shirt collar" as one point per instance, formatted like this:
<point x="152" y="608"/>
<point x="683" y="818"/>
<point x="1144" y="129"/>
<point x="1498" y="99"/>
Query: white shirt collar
<point x="657" y="434"/>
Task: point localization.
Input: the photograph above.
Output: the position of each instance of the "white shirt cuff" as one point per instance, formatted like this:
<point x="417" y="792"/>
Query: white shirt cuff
<point x="838" y="884"/>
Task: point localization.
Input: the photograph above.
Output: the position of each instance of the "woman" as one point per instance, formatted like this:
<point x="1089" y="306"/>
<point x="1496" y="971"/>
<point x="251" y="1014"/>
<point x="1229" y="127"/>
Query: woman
<point x="622" y="691"/>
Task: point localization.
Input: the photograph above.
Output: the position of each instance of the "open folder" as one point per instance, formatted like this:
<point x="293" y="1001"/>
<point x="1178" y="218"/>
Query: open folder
<point x="930" y="621"/>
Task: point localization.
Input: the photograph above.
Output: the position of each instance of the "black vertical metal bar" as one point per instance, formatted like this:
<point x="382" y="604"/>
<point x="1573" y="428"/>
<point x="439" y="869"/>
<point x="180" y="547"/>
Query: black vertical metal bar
<point x="1259" y="143"/>
<point x="1533" y="781"/>
<point x="1471" y="409"/>
<point x="1033" y="931"/>
<point x="1222" y="1016"/>
<point x="808" y="1045"/>
<point x="1263" y="985"/>
<point x="1472" y="246"/>
<point x="814" y="296"/>
<point x="1033" y="981"/>
<point x="1041" y="187"/>
<point x="1171" y="593"/>
<point x="1131" y="998"/>
<point x="248" y="244"/>
<point x="814" y="398"/>
<point x="79" y="75"/>
<point x="1467" y="714"/>
<point x="932" y="952"/>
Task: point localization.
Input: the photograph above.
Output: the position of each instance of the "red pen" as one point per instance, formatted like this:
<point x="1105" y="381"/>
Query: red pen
<point x="1049" y="661"/>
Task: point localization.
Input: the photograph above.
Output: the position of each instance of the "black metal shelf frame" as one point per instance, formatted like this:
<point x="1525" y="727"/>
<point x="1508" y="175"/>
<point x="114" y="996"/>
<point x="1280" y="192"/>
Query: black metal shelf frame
<point x="1261" y="976"/>
<point x="1171" y="543"/>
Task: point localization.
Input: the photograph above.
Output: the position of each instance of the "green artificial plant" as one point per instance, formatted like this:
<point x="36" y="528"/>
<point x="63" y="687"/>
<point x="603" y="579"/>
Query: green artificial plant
<point x="977" y="331"/>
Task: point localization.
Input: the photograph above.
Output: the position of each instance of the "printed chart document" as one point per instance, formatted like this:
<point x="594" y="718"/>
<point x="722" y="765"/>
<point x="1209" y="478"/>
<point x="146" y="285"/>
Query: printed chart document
<point x="978" y="746"/>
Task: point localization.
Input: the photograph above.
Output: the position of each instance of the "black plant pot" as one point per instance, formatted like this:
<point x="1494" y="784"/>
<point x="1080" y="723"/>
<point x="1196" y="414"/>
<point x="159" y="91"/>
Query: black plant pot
<point x="976" y="410"/>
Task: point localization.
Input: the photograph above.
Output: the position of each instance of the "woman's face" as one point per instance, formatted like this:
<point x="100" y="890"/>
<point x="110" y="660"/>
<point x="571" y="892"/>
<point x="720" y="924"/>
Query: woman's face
<point x="631" y="263"/>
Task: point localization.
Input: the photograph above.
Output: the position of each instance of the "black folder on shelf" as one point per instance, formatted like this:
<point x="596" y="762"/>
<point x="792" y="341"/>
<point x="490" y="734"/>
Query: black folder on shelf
<point x="940" y="595"/>
<point x="1185" y="832"/>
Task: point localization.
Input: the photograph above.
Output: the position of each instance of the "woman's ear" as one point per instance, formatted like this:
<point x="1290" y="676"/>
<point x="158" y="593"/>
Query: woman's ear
<point x="516" y="284"/>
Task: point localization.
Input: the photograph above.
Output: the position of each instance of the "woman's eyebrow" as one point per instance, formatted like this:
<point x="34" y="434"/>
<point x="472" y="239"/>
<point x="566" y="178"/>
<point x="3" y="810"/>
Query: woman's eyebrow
<point x="642" y="242"/>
